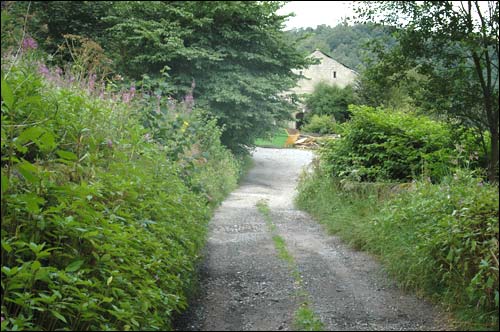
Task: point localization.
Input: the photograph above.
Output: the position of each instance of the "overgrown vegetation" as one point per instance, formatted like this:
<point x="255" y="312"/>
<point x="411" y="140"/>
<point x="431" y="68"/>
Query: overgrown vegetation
<point x="106" y="192"/>
<point x="388" y="145"/>
<point x="331" y="100"/>
<point x="414" y="176"/>
<point x="445" y="60"/>
<point x="235" y="53"/>
<point x="440" y="240"/>
<point x="102" y="217"/>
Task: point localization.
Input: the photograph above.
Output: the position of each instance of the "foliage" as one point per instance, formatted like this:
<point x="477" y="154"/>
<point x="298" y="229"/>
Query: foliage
<point x="447" y="241"/>
<point x="387" y="145"/>
<point x="50" y="21"/>
<point x="235" y="52"/>
<point x="344" y="208"/>
<point x="438" y="239"/>
<point x="455" y="47"/>
<point x="331" y="100"/>
<point x="101" y="226"/>
<point x="321" y="124"/>
<point x="307" y="320"/>
<point x="347" y="43"/>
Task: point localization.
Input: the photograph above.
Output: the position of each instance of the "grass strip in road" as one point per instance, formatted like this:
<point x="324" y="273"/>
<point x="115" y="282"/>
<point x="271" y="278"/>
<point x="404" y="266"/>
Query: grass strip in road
<point x="305" y="318"/>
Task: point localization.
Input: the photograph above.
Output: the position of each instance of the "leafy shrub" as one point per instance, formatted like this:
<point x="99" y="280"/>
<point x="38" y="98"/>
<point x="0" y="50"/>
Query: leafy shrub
<point x="444" y="239"/>
<point x="388" y="145"/>
<point x="331" y="100"/>
<point x="438" y="239"/>
<point x="321" y="124"/>
<point x="100" y="228"/>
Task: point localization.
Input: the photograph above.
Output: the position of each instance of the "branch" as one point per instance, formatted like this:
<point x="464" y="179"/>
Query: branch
<point x="22" y="40"/>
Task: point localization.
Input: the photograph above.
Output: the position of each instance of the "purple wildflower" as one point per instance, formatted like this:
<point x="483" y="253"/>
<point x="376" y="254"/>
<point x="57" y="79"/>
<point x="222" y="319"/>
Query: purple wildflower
<point x="29" y="44"/>
<point x="109" y="142"/>
<point x="101" y="91"/>
<point x="126" y="97"/>
<point x="132" y="91"/>
<point x="42" y="69"/>
<point x="189" y="101"/>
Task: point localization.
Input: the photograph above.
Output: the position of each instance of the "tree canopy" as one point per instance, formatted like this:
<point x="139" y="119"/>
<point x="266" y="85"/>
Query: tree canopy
<point x="454" y="46"/>
<point x="346" y="43"/>
<point x="234" y="56"/>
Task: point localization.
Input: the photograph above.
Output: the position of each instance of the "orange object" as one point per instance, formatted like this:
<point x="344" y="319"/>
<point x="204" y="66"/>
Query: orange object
<point x="293" y="135"/>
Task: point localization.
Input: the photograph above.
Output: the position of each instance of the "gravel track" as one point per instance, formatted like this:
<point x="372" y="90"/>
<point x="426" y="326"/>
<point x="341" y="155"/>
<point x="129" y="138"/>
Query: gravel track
<point x="245" y="286"/>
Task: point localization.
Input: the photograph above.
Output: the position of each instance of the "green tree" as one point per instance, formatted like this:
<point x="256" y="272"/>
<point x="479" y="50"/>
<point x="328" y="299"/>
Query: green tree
<point x="51" y="20"/>
<point x="331" y="100"/>
<point x="234" y="53"/>
<point x="455" y="47"/>
<point x="346" y="43"/>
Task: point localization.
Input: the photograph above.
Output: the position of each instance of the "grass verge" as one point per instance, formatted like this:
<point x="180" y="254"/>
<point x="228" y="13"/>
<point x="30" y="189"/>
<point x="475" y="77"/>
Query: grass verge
<point x="277" y="141"/>
<point x="438" y="240"/>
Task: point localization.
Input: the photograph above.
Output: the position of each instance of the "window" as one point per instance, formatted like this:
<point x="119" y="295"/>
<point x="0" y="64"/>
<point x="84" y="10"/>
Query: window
<point x="334" y="74"/>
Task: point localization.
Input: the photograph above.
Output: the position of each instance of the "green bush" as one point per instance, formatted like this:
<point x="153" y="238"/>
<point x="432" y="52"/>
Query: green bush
<point x="331" y="100"/>
<point x="100" y="227"/>
<point x="444" y="239"/>
<point x="321" y="124"/>
<point x="386" y="145"/>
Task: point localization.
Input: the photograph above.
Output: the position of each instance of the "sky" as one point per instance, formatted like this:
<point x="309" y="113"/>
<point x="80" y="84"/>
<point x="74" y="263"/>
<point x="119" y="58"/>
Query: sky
<point x="313" y="13"/>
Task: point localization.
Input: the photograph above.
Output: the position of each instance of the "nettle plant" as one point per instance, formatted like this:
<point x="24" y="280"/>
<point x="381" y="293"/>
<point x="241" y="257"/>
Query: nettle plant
<point x="100" y="228"/>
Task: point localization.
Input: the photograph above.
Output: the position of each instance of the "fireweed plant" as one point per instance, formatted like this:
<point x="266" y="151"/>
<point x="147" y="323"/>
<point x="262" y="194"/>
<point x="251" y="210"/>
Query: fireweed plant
<point x="106" y="194"/>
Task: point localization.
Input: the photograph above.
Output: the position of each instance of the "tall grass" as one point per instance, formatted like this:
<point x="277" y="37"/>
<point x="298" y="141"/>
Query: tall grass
<point x="440" y="240"/>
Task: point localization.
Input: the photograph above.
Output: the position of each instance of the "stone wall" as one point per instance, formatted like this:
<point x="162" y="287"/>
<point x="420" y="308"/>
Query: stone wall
<point x="329" y="71"/>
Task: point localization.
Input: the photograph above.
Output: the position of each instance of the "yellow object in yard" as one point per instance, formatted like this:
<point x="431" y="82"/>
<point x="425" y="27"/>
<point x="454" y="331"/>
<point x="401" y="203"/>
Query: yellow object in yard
<point x="293" y="135"/>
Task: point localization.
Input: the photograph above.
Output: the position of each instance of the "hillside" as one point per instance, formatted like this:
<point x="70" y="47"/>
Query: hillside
<point x="347" y="44"/>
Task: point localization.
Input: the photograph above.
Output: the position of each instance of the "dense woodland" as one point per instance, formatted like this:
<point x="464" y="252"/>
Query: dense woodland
<point x="124" y="124"/>
<point x="349" y="44"/>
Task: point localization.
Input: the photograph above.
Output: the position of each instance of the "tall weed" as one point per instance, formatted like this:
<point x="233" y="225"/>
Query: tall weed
<point x="438" y="239"/>
<point x="100" y="226"/>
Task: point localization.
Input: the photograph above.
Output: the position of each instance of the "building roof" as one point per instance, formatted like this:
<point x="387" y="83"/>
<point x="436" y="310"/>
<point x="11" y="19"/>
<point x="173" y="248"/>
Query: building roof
<point x="329" y="56"/>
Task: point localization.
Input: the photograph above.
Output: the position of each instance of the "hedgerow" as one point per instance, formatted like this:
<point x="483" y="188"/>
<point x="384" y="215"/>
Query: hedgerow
<point x="440" y="240"/>
<point x="379" y="144"/>
<point x="443" y="238"/>
<point x="103" y="215"/>
<point x="437" y="232"/>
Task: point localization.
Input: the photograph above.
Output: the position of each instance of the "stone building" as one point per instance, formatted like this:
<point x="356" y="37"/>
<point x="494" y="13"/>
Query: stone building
<point x="328" y="70"/>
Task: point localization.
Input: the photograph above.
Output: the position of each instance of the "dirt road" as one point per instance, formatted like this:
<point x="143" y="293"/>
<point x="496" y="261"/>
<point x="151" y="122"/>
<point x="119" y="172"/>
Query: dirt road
<point x="244" y="285"/>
